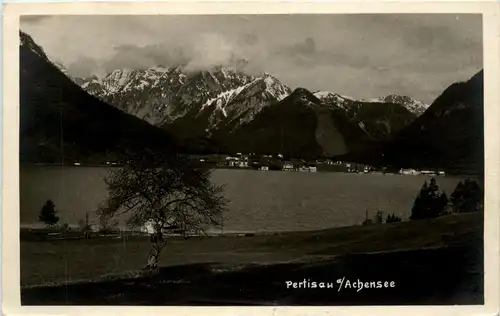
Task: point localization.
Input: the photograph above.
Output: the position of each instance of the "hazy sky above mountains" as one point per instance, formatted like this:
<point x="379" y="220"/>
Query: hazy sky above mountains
<point x="362" y="56"/>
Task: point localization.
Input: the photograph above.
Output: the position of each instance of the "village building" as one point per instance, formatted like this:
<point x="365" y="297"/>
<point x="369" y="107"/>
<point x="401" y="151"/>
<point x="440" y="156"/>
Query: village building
<point x="243" y="164"/>
<point x="409" y="172"/>
<point x="287" y="166"/>
<point x="427" y="172"/>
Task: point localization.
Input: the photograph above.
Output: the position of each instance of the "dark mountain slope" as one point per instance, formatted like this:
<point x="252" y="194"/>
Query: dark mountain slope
<point x="298" y="126"/>
<point x="448" y="136"/>
<point x="59" y="121"/>
<point x="380" y="120"/>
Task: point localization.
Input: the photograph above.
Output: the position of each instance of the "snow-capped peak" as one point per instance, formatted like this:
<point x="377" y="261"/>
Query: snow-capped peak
<point x="268" y="86"/>
<point x="327" y="94"/>
<point x="273" y="86"/>
<point x="242" y="103"/>
<point x="414" y="106"/>
<point x="323" y="94"/>
<point x="331" y="98"/>
<point x="160" y="69"/>
<point x="223" y="98"/>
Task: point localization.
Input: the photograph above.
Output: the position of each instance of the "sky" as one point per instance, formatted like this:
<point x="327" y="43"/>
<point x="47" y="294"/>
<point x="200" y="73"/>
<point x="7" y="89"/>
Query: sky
<point x="358" y="55"/>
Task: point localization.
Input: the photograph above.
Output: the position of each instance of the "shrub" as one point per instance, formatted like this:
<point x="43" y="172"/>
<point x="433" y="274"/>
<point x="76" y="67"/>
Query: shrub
<point x="391" y="218"/>
<point x="429" y="203"/>
<point x="65" y="227"/>
<point x="375" y="221"/>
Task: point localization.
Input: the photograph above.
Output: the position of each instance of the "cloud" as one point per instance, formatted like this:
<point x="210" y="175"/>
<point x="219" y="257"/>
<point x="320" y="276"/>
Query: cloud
<point x="203" y="52"/>
<point x="306" y="48"/>
<point x="211" y="49"/>
<point x="80" y="67"/>
<point x="363" y="55"/>
<point x="249" y="39"/>
<point x="130" y="56"/>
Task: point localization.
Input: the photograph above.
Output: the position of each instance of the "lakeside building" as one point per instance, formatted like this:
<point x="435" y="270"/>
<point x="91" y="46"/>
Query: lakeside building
<point x="308" y="169"/>
<point x="421" y="172"/>
<point x="238" y="163"/>
<point x="409" y="172"/>
<point x="428" y="172"/>
<point x="243" y="164"/>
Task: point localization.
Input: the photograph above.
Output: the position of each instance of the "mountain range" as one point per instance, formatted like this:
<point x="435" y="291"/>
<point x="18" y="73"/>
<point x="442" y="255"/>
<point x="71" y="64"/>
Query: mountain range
<point x="225" y="110"/>
<point x="214" y="105"/>
<point x="163" y="95"/>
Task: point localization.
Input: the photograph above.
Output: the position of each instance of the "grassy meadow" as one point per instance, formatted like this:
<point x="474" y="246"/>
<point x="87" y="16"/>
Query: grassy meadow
<point x="51" y="266"/>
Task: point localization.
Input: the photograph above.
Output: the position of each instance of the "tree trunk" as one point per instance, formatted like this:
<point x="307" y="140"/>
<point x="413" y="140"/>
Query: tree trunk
<point x="153" y="258"/>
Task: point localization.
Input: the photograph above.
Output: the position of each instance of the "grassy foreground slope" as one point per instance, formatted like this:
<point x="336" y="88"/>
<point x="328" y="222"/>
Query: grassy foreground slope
<point x="432" y="262"/>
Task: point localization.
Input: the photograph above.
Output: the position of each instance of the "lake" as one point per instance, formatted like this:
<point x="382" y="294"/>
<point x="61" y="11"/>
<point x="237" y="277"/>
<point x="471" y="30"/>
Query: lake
<point x="258" y="200"/>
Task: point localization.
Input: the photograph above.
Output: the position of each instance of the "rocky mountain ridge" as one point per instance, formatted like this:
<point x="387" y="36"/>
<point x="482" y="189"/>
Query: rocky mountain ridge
<point x="163" y="95"/>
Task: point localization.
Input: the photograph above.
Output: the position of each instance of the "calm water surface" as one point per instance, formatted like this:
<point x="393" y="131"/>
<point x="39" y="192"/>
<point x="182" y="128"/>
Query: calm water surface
<point x="259" y="201"/>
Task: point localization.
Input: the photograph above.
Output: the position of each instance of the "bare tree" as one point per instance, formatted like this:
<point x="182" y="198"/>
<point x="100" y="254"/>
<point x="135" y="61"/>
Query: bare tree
<point x="166" y="191"/>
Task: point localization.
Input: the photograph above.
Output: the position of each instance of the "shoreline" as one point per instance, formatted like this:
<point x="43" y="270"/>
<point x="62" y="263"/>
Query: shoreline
<point x="319" y="170"/>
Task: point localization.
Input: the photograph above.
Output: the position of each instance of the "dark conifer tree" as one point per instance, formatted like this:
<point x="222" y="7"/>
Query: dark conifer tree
<point x="430" y="202"/>
<point x="467" y="197"/>
<point x="48" y="214"/>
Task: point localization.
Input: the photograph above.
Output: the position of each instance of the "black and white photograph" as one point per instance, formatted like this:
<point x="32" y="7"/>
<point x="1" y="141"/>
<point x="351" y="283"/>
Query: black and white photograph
<point x="333" y="159"/>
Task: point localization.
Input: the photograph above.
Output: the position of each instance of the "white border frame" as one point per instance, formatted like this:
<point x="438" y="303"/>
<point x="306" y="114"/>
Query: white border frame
<point x="10" y="224"/>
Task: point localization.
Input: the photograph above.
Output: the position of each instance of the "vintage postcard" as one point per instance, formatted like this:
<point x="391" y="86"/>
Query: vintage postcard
<point x="312" y="157"/>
